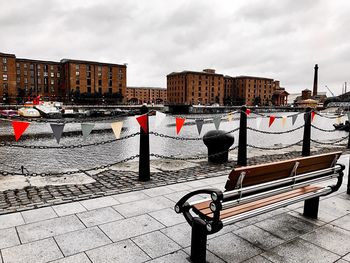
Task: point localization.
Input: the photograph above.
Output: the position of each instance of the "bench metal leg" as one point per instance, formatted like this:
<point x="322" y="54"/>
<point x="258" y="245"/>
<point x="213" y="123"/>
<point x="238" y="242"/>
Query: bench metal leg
<point x="198" y="241"/>
<point x="311" y="207"/>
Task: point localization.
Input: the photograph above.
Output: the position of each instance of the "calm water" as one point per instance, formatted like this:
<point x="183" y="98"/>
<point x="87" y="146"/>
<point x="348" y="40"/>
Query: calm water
<point x="37" y="160"/>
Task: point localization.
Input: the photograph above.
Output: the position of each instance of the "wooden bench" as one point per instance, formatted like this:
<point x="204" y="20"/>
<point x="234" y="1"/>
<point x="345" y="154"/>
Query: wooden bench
<point x="257" y="189"/>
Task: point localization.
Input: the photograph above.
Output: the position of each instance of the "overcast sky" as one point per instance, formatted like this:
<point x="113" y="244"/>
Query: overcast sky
<point x="280" y="39"/>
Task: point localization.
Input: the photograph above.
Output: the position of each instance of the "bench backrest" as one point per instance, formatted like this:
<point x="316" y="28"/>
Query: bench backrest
<point x="262" y="173"/>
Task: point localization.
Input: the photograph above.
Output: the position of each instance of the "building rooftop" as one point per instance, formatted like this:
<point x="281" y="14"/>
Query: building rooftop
<point x="77" y="61"/>
<point x="131" y="87"/>
<point x="194" y="72"/>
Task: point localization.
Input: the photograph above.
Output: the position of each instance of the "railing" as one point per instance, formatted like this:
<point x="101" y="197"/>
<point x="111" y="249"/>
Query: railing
<point x="144" y="151"/>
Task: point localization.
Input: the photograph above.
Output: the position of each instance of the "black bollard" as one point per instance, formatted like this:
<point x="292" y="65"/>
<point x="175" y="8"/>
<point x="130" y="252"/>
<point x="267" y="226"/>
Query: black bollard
<point x="242" y="140"/>
<point x="144" y="167"/>
<point x="307" y="133"/>
<point x="218" y="144"/>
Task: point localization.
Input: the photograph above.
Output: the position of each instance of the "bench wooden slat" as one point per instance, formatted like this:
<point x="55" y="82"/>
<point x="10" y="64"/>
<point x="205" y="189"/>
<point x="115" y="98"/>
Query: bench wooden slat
<point x="262" y="173"/>
<point x="205" y="210"/>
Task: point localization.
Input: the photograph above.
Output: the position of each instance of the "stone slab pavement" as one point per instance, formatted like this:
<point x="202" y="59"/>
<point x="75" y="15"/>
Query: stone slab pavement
<point x="141" y="226"/>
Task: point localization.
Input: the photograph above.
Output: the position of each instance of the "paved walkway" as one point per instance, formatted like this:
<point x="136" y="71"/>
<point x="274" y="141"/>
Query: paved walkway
<point x="141" y="226"/>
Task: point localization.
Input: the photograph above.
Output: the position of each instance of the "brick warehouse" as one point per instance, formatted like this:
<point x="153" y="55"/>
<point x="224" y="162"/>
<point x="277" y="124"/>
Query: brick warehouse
<point x="68" y="80"/>
<point x="139" y="95"/>
<point x="207" y="88"/>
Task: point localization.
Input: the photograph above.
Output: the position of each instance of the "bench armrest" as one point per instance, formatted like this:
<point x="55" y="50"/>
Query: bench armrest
<point x="182" y="206"/>
<point x="340" y="179"/>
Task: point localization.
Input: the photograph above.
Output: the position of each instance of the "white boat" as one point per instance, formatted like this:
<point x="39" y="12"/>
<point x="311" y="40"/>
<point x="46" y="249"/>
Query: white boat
<point x="29" y="112"/>
<point x="48" y="110"/>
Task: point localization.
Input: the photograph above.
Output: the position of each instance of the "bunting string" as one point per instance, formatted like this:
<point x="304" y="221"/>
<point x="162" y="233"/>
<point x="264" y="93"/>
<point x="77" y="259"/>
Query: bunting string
<point x="275" y="132"/>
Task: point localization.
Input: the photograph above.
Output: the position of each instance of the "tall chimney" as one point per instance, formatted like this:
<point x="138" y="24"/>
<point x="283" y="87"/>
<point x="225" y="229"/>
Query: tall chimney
<point x="315" y="80"/>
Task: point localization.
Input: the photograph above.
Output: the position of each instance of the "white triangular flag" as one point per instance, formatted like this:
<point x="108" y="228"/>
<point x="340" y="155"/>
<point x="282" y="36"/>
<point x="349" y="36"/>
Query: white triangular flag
<point x="160" y="116"/>
<point x="117" y="128"/>
<point x="283" y="120"/>
<point x="258" y="122"/>
<point x="86" y="129"/>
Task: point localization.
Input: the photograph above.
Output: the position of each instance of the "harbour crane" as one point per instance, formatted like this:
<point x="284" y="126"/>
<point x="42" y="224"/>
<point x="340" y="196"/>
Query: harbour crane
<point x="330" y="91"/>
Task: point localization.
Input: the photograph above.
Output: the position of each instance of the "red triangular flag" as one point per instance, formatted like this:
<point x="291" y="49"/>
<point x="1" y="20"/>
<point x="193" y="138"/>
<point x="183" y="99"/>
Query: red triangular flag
<point x="19" y="127"/>
<point x="272" y="119"/>
<point x="247" y="111"/>
<point x="142" y="120"/>
<point x="179" y="123"/>
<point x="313" y="115"/>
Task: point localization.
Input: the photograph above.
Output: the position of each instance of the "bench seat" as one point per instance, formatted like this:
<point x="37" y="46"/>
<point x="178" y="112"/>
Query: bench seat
<point x="257" y="189"/>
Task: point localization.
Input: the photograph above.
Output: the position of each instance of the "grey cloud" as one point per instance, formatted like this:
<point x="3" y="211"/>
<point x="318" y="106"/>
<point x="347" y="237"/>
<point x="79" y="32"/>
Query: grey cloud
<point x="272" y="38"/>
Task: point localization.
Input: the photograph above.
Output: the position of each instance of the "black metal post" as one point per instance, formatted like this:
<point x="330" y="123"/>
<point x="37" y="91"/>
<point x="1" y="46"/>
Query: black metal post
<point x="198" y="241"/>
<point x="349" y="142"/>
<point x="242" y="140"/>
<point x="144" y="167"/>
<point x="311" y="207"/>
<point x="348" y="187"/>
<point x="307" y="133"/>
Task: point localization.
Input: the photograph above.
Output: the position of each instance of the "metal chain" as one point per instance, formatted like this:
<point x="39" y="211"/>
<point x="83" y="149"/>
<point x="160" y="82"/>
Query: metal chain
<point x="330" y="143"/>
<point x="268" y="132"/>
<point x="5" y="173"/>
<point x="277" y="117"/>
<point x="6" y="144"/>
<point x="320" y="129"/>
<point x="276" y="148"/>
<point x="328" y="117"/>
<point x="189" y="138"/>
<point x="199" y="157"/>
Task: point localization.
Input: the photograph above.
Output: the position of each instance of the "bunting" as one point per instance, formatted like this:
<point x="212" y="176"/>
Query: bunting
<point x="179" y="123"/>
<point x="313" y="115"/>
<point x="143" y="121"/>
<point x="86" y="129"/>
<point x="258" y="122"/>
<point x="117" y="128"/>
<point x="19" y="128"/>
<point x="283" y="120"/>
<point x="247" y="111"/>
<point x="199" y="124"/>
<point x="217" y="121"/>
<point x="271" y="120"/>
<point x="57" y="129"/>
<point x="294" y="118"/>
<point x="160" y="116"/>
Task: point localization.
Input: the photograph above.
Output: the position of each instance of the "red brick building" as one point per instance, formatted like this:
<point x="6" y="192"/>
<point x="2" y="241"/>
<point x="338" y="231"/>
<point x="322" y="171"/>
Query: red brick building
<point x="208" y="87"/>
<point x="193" y="88"/>
<point x="67" y="80"/>
<point x="139" y="95"/>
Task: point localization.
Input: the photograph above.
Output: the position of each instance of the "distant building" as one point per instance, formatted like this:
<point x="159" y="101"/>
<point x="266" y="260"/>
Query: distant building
<point x="207" y="88"/>
<point x="67" y="80"/>
<point x="305" y="99"/>
<point x="193" y="88"/>
<point x="139" y="95"/>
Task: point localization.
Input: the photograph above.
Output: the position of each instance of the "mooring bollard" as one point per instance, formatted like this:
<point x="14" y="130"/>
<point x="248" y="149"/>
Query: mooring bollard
<point x="218" y="144"/>
<point x="307" y="133"/>
<point x="144" y="166"/>
<point x="242" y="140"/>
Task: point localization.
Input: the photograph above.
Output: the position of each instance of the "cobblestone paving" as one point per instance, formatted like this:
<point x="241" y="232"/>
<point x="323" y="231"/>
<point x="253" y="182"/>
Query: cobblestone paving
<point x="112" y="182"/>
<point x="141" y="226"/>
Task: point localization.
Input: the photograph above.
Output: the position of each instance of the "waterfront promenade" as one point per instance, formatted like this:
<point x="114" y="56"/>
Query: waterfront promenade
<point x="140" y="225"/>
